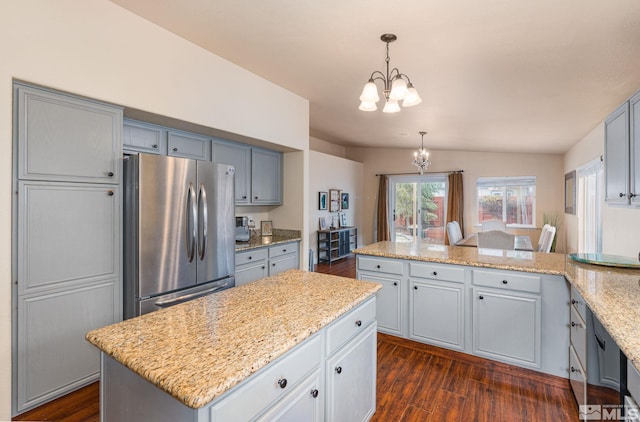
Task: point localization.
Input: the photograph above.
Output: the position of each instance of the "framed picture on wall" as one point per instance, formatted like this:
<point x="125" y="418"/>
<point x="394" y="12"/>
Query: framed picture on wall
<point x="334" y="200"/>
<point x="322" y="221"/>
<point x="322" y="200"/>
<point x="570" y="192"/>
<point x="344" y="201"/>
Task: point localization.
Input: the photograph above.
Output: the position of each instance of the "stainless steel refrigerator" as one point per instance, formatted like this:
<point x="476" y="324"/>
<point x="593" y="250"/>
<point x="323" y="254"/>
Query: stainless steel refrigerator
<point x="179" y="241"/>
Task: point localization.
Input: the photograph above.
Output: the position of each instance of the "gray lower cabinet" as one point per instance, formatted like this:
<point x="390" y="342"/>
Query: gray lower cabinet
<point x="239" y="156"/>
<point x="67" y="244"/>
<point x="144" y="137"/>
<point x="257" y="263"/>
<point x="330" y="376"/>
<point x="266" y="177"/>
<point x="66" y="138"/>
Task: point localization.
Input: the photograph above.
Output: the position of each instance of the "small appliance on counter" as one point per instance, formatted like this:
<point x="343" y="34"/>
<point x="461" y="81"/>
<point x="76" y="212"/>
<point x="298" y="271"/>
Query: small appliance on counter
<point x="242" y="229"/>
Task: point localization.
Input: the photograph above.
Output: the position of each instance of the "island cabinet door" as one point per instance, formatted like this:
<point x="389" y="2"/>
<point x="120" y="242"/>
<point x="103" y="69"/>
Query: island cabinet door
<point x="388" y="302"/>
<point x="351" y="379"/>
<point x="304" y="403"/>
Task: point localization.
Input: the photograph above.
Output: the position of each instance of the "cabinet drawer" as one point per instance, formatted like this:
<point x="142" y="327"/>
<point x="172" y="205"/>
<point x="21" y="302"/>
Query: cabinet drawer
<point x="578" y="302"/>
<point x="380" y="265"/>
<point x="350" y="325"/>
<point x="251" y="256"/>
<point x="633" y="381"/>
<point x="285" y="248"/>
<point x="263" y="388"/>
<point x="437" y="272"/>
<point x="507" y="280"/>
<point x="578" y="335"/>
<point x="576" y="378"/>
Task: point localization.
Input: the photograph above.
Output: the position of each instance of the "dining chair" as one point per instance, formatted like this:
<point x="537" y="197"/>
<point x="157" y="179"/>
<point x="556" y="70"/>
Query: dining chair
<point x="496" y="239"/>
<point x="548" y="240"/>
<point x="541" y="240"/>
<point x="454" y="232"/>
<point x="494" y="225"/>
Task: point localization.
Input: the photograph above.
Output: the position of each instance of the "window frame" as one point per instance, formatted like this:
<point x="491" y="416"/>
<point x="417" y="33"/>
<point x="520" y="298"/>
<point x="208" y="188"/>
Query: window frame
<point x="505" y="182"/>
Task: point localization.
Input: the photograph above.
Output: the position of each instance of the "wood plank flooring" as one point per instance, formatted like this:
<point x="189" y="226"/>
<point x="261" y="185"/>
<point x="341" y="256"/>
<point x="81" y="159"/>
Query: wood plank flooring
<point x="416" y="382"/>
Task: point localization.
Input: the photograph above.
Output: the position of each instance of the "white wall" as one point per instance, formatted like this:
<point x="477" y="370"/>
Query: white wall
<point x="320" y="145"/>
<point x="620" y="228"/>
<point x="331" y="172"/>
<point x="97" y="49"/>
<point x="546" y="167"/>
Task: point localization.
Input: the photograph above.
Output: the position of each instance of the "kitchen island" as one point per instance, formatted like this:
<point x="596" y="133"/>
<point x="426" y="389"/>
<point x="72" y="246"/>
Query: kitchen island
<point x="613" y="294"/>
<point x="226" y="355"/>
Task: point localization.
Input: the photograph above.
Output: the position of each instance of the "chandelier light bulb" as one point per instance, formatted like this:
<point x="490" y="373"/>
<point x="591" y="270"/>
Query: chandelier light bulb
<point x="398" y="89"/>
<point x="391" y="106"/>
<point x="370" y="93"/>
<point x="412" y="98"/>
<point x="368" y="106"/>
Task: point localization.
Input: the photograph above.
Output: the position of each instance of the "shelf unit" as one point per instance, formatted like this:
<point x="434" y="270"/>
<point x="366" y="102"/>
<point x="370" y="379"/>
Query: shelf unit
<point x="334" y="244"/>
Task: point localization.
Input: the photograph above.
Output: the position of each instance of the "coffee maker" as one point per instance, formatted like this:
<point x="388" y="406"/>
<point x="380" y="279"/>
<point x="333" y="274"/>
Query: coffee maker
<point x="242" y="229"/>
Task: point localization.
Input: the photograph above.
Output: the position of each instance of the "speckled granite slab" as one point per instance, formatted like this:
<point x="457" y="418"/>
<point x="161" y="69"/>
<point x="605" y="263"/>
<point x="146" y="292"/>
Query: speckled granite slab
<point x="613" y="294"/>
<point x="258" y="241"/>
<point x="198" y="350"/>
<point x="544" y="263"/>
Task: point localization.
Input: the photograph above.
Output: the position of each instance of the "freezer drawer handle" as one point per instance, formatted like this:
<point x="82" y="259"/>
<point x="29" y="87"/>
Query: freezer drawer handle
<point x="184" y="298"/>
<point x="202" y="203"/>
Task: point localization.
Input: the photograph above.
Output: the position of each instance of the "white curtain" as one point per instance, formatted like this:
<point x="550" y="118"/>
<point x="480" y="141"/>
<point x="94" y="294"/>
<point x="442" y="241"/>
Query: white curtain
<point x="590" y="191"/>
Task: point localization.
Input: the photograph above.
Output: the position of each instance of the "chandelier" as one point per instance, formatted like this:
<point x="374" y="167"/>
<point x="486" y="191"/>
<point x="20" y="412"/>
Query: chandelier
<point x="395" y="87"/>
<point x="421" y="156"/>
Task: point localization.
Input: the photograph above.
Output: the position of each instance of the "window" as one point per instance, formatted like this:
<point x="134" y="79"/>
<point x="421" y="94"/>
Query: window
<point x="417" y="208"/>
<point x="590" y="191"/>
<point x="509" y="199"/>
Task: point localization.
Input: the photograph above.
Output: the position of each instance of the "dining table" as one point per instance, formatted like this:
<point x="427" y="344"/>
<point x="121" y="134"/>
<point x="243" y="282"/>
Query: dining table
<point x="522" y="242"/>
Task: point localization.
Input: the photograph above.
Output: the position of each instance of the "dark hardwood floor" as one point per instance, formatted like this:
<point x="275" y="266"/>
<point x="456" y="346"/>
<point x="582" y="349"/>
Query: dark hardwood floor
<point x="416" y="382"/>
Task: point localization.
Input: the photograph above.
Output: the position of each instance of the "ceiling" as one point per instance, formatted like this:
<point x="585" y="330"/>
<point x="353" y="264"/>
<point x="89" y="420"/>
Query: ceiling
<point x="494" y="75"/>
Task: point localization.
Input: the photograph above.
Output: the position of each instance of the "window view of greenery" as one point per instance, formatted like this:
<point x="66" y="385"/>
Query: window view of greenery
<point x="419" y="211"/>
<point x="509" y="199"/>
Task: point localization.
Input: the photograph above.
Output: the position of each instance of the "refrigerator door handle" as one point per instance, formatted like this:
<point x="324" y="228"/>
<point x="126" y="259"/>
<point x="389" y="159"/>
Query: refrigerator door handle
<point x="202" y="202"/>
<point x="192" y="217"/>
<point x="191" y="296"/>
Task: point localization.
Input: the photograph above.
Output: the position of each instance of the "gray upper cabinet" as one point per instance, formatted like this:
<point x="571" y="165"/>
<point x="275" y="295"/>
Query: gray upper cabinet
<point x="622" y="154"/>
<point x="239" y="156"/>
<point x="189" y="145"/>
<point x="63" y="137"/>
<point x="266" y="177"/>
<point x="142" y="137"/>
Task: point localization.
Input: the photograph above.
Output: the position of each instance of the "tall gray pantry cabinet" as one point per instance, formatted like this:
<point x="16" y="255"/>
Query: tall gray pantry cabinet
<point x="66" y="263"/>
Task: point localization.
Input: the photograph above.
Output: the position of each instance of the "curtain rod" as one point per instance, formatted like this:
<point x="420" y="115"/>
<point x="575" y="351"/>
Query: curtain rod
<point x="418" y="174"/>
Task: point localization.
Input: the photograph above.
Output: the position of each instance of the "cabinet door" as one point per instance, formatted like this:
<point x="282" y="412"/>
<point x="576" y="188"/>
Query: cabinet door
<point x="283" y="263"/>
<point x="68" y="234"/>
<point x="189" y="145"/>
<point x="634" y="165"/>
<point x="616" y="156"/>
<point x="304" y="403"/>
<point x="61" y="137"/>
<point x="388" y="300"/>
<point x="53" y="356"/>
<point x="240" y="157"/>
<point x="266" y="177"/>
<point x="436" y="313"/>
<point x="142" y="137"/>
<point x="507" y="327"/>
<point x="351" y="379"/>
<point x="251" y="272"/>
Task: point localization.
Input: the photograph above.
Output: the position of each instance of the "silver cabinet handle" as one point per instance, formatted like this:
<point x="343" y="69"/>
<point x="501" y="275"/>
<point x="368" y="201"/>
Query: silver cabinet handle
<point x="192" y="218"/>
<point x="202" y="211"/>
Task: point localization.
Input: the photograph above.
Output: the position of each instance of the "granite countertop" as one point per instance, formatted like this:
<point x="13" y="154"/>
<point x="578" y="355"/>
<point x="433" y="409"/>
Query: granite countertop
<point x="200" y="349"/>
<point x="258" y="241"/>
<point x="613" y="294"/>
<point x="545" y="263"/>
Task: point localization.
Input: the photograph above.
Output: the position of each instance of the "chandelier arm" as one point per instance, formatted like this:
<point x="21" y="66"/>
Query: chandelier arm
<point x="377" y="75"/>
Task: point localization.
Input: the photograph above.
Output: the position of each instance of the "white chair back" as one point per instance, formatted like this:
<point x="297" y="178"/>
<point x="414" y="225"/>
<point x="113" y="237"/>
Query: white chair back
<point x="543" y="235"/>
<point x="494" y="225"/>
<point x="454" y="232"/>
<point x="496" y="239"/>
<point x="548" y="240"/>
